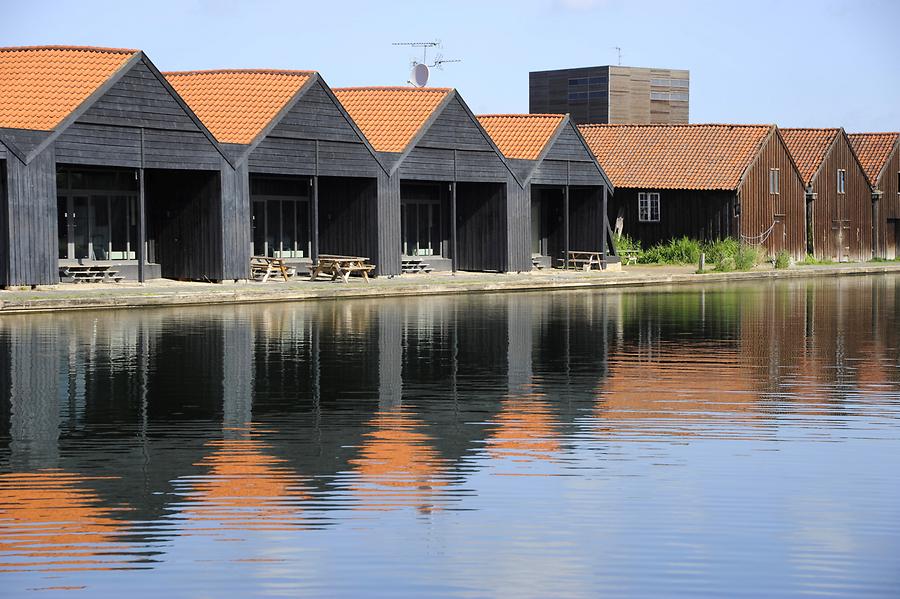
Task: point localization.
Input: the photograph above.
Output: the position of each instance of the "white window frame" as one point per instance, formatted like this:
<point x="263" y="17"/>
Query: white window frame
<point x="648" y="207"/>
<point x="841" y="181"/>
<point x="775" y="181"/>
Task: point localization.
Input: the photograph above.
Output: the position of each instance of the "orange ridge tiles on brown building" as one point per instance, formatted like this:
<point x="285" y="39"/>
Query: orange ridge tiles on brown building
<point x="390" y="117"/>
<point x="808" y="147"/>
<point x="682" y="156"/>
<point x="521" y="136"/>
<point x="42" y="85"/>
<point x="873" y="151"/>
<point x="237" y="104"/>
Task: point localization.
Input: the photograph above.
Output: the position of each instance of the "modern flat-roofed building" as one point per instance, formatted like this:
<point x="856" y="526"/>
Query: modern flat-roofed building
<point x="612" y="94"/>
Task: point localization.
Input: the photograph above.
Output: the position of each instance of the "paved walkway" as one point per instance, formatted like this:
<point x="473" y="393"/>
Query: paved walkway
<point x="168" y="293"/>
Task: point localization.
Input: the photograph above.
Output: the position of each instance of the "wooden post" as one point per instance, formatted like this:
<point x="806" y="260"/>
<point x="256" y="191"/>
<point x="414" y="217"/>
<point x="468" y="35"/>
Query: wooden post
<point x="566" y="225"/>
<point x="603" y="227"/>
<point x="453" y="253"/>
<point x="142" y="232"/>
<point x="314" y="220"/>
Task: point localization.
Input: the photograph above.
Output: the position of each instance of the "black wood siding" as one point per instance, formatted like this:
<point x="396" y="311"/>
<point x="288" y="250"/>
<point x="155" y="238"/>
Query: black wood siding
<point x="25" y="140"/>
<point x="290" y="147"/>
<point x="4" y="227"/>
<point x="704" y="215"/>
<point x="387" y="256"/>
<point x="185" y="221"/>
<point x="518" y="226"/>
<point x="30" y="214"/>
<point x="236" y="214"/>
<point x="348" y="214"/>
<point x="586" y="219"/>
<point x="481" y="223"/>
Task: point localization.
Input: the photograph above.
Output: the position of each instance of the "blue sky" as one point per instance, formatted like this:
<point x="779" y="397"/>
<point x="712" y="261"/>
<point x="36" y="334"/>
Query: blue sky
<point x="795" y="63"/>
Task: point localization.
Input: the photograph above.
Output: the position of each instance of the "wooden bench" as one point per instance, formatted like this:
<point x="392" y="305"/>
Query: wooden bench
<point x="629" y="256"/>
<point x="414" y="265"/>
<point x="263" y="267"/>
<point x="583" y="260"/>
<point x="90" y="273"/>
<point x="341" y="266"/>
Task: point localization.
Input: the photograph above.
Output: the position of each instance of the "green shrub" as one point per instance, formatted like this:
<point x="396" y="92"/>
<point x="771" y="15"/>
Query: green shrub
<point x="624" y="243"/>
<point x="747" y="256"/>
<point x="674" y="251"/>
<point x="782" y="260"/>
<point x="726" y="264"/>
<point x="716" y="251"/>
<point x="811" y="260"/>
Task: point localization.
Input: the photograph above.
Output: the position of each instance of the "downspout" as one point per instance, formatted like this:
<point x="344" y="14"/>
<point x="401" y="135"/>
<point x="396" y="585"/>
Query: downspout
<point x="876" y="242"/>
<point x="810" y="240"/>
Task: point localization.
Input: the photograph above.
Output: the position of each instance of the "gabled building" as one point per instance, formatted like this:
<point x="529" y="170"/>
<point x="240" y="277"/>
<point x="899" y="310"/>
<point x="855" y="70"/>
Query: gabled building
<point x="103" y="162"/>
<point x="879" y="154"/>
<point x="565" y="187"/>
<point x="705" y="182"/>
<point x="839" y="197"/>
<point x="451" y="200"/>
<point x="307" y="179"/>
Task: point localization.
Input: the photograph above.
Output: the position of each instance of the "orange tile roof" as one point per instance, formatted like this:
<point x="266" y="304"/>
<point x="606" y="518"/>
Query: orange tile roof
<point x="675" y="156"/>
<point x="873" y="151"/>
<point x="521" y="136"/>
<point x="236" y="105"/>
<point x="390" y="117"/>
<point x="42" y="85"/>
<point x="808" y="148"/>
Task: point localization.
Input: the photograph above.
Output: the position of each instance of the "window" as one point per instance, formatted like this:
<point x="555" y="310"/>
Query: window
<point x="575" y="96"/>
<point x="678" y="96"/>
<point x="648" y="207"/>
<point x="774" y="175"/>
<point x="659" y="95"/>
<point x="841" y="178"/>
<point x="679" y="83"/>
<point x="579" y="81"/>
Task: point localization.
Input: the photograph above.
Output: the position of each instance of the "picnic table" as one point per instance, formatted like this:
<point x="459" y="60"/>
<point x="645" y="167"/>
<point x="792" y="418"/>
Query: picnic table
<point x="263" y="267"/>
<point x="583" y="260"/>
<point x="341" y="266"/>
<point x="90" y="273"/>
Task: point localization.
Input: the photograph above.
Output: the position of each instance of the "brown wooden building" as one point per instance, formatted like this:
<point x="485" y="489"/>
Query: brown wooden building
<point x="879" y="154"/>
<point x="839" y="197"/>
<point x="705" y="182"/>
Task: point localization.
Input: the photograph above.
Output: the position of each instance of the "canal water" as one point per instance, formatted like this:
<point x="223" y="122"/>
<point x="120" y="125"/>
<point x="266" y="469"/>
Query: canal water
<point x="721" y="440"/>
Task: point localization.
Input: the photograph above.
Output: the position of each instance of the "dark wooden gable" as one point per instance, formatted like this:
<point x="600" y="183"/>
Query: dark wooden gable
<point x="314" y="136"/>
<point x="454" y="146"/>
<point x="22" y="141"/>
<point x="138" y="121"/>
<point x="568" y="162"/>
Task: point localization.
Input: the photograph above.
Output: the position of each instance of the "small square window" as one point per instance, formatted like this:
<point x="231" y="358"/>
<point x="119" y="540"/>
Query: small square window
<point x="841" y="180"/>
<point x="648" y="207"/>
<point x="774" y="182"/>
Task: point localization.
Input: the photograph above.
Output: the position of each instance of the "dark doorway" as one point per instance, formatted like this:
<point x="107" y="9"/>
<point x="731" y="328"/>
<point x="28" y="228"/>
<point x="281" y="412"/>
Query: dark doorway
<point x="547" y="224"/>
<point x="424" y="219"/>
<point x="348" y="216"/>
<point x="481" y="229"/>
<point x="184" y="223"/>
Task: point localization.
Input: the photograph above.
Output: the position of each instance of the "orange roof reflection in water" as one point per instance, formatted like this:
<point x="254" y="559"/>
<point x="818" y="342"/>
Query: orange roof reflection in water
<point x="526" y="430"/>
<point x="397" y="465"/>
<point x="246" y="488"/>
<point x="676" y="386"/>
<point x="50" y="522"/>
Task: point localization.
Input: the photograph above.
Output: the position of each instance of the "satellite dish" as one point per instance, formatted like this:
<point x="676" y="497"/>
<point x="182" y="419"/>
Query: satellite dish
<point x="419" y="75"/>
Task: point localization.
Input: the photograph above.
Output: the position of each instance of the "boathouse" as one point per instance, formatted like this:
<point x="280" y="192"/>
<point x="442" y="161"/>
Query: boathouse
<point x="564" y="186"/>
<point x="879" y="154"/>
<point x="838" y="194"/>
<point x="103" y="163"/>
<point x="457" y="202"/>
<point x="705" y="182"/>
<point x="309" y="179"/>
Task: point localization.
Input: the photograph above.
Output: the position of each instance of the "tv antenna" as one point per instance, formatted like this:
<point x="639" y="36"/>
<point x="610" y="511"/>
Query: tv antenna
<point x="420" y="71"/>
<point x="619" y="52"/>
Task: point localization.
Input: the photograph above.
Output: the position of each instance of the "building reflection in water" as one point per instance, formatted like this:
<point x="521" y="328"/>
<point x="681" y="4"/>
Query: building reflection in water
<point x="123" y="430"/>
